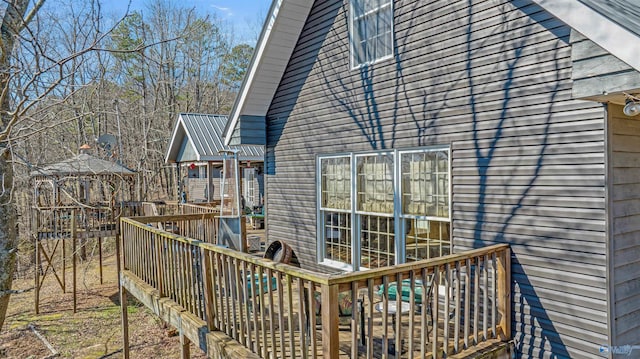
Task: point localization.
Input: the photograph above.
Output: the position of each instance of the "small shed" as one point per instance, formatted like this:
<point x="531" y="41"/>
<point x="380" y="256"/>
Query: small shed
<point x="196" y="147"/>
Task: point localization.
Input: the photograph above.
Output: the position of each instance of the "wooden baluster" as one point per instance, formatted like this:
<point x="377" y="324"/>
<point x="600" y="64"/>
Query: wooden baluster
<point x="158" y="265"/>
<point x="303" y="317"/>
<point x="485" y="297"/>
<point x="424" y="334"/>
<point x="435" y="312"/>
<point x="447" y="305"/>
<point x="370" y="318"/>
<point x="412" y="305"/>
<point x="254" y="308"/>
<point x="312" y="319"/>
<point x="281" y="312"/>
<point x="467" y="302"/>
<point x="354" y="319"/>
<point x="493" y="296"/>
<point x="398" y="316"/>
<point x="504" y="293"/>
<point x="271" y="311"/>
<point x="385" y="316"/>
<point x="457" y="316"/>
<point x="476" y="299"/>
<point x="290" y="306"/>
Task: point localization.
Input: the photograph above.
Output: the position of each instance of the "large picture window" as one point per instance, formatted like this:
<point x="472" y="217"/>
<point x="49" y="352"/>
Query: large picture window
<point x="384" y="208"/>
<point x="371" y="31"/>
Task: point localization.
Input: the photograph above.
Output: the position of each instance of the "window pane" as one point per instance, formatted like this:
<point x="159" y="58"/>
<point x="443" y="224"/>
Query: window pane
<point x="377" y="241"/>
<point x="336" y="183"/>
<point x="371" y="25"/>
<point x="337" y="235"/>
<point x="425" y="183"/>
<point x="375" y="183"/>
<point x="426" y="239"/>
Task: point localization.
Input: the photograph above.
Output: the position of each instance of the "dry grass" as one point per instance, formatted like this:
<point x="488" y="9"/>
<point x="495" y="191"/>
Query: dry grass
<point x="94" y="331"/>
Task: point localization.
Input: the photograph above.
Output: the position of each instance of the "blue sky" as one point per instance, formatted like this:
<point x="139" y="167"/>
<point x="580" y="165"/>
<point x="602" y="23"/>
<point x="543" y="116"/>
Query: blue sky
<point x="243" y="15"/>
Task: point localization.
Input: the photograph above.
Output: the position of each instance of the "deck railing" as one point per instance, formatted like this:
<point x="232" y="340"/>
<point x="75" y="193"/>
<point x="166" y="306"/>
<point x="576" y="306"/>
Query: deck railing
<point x="276" y="310"/>
<point x="56" y="222"/>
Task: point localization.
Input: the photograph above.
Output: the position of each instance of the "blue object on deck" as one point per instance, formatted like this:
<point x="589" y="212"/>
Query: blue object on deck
<point x="405" y="290"/>
<point x="256" y="282"/>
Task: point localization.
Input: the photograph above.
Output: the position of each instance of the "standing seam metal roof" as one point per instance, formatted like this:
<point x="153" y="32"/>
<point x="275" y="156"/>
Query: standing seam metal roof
<point x="204" y="131"/>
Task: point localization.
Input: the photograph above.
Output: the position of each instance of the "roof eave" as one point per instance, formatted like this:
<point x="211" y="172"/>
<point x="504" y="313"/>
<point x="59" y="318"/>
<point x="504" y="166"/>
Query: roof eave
<point x="598" y="28"/>
<point x="269" y="31"/>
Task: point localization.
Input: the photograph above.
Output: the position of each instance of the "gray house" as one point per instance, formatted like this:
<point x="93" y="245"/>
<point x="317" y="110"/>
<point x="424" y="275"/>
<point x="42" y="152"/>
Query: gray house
<point x="196" y="148"/>
<point x="404" y="130"/>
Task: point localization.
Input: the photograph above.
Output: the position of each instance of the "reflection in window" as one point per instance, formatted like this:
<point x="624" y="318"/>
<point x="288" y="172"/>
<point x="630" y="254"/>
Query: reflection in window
<point x="335" y="173"/>
<point x="375" y="183"/>
<point x="377" y="241"/>
<point x="338" y="244"/>
<point x="372" y="34"/>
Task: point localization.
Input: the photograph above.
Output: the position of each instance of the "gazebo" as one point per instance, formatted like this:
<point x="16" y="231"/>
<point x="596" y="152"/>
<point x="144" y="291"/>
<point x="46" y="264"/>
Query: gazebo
<point x="75" y="200"/>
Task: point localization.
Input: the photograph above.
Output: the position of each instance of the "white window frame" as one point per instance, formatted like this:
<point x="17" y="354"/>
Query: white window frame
<point x="398" y="213"/>
<point x="376" y="12"/>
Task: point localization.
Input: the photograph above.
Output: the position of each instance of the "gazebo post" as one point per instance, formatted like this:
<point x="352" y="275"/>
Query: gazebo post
<point x="74" y="239"/>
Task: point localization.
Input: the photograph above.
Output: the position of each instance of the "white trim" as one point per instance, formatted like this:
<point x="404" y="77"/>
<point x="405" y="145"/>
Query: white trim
<point x="397" y="215"/>
<point x="607" y="34"/>
<point x="337" y="265"/>
<point x="259" y="51"/>
<point x="352" y="18"/>
<point x="283" y="22"/>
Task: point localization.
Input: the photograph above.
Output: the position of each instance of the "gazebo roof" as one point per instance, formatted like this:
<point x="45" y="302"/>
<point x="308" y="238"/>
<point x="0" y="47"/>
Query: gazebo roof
<point x="82" y="164"/>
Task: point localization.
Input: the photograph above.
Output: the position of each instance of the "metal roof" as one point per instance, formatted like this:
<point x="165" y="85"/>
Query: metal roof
<point x="82" y="164"/>
<point x="204" y="134"/>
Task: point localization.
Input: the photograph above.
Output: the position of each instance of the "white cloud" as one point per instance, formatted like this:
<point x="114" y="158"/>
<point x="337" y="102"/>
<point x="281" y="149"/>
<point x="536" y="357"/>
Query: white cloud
<point x="225" y="10"/>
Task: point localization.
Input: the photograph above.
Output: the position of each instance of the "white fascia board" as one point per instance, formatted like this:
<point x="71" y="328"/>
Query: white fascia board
<point x="253" y="69"/>
<point x="173" y="139"/>
<point x="189" y="139"/>
<point x="607" y="34"/>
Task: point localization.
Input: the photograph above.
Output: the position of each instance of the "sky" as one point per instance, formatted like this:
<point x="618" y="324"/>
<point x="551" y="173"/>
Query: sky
<point x="245" y="16"/>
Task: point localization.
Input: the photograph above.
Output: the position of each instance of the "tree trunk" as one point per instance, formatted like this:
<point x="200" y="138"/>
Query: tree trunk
<point x="8" y="234"/>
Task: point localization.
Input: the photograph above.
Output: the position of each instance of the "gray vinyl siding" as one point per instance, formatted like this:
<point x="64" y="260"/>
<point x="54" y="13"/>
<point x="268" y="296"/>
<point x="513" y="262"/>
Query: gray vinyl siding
<point x="250" y="129"/>
<point x="597" y="72"/>
<point x="625" y="139"/>
<point x="491" y="79"/>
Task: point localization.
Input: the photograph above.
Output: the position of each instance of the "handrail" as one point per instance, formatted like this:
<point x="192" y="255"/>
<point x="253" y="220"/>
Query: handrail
<point x="270" y="307"/>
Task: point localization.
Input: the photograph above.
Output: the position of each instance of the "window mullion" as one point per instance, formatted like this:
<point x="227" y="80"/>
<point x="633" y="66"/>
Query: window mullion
<point x="397" y="210"/>
<point x="355" y="221"/>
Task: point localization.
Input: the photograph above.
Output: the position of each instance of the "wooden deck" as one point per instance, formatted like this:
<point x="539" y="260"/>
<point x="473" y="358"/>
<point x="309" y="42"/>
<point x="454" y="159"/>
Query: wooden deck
<point x="258" y="308"/>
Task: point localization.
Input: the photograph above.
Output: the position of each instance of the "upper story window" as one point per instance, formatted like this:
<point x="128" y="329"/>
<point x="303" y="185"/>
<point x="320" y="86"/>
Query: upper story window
<point x="371" y="31"/>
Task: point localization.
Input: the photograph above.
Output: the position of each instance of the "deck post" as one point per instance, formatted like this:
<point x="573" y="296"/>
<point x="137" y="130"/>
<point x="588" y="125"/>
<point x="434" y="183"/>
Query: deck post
<point x="330" y="335"/>
<point x="74" y="238"/>
<point x="100" y="259"/>
<point x="37" y="276"/>
<point x="125" y="321"/>
<point x="504" y="293"/>
<point x="184" y="346"/>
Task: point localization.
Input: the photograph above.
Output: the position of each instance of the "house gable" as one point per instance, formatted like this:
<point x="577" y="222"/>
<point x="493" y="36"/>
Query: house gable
<point x="492" y="80"/>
